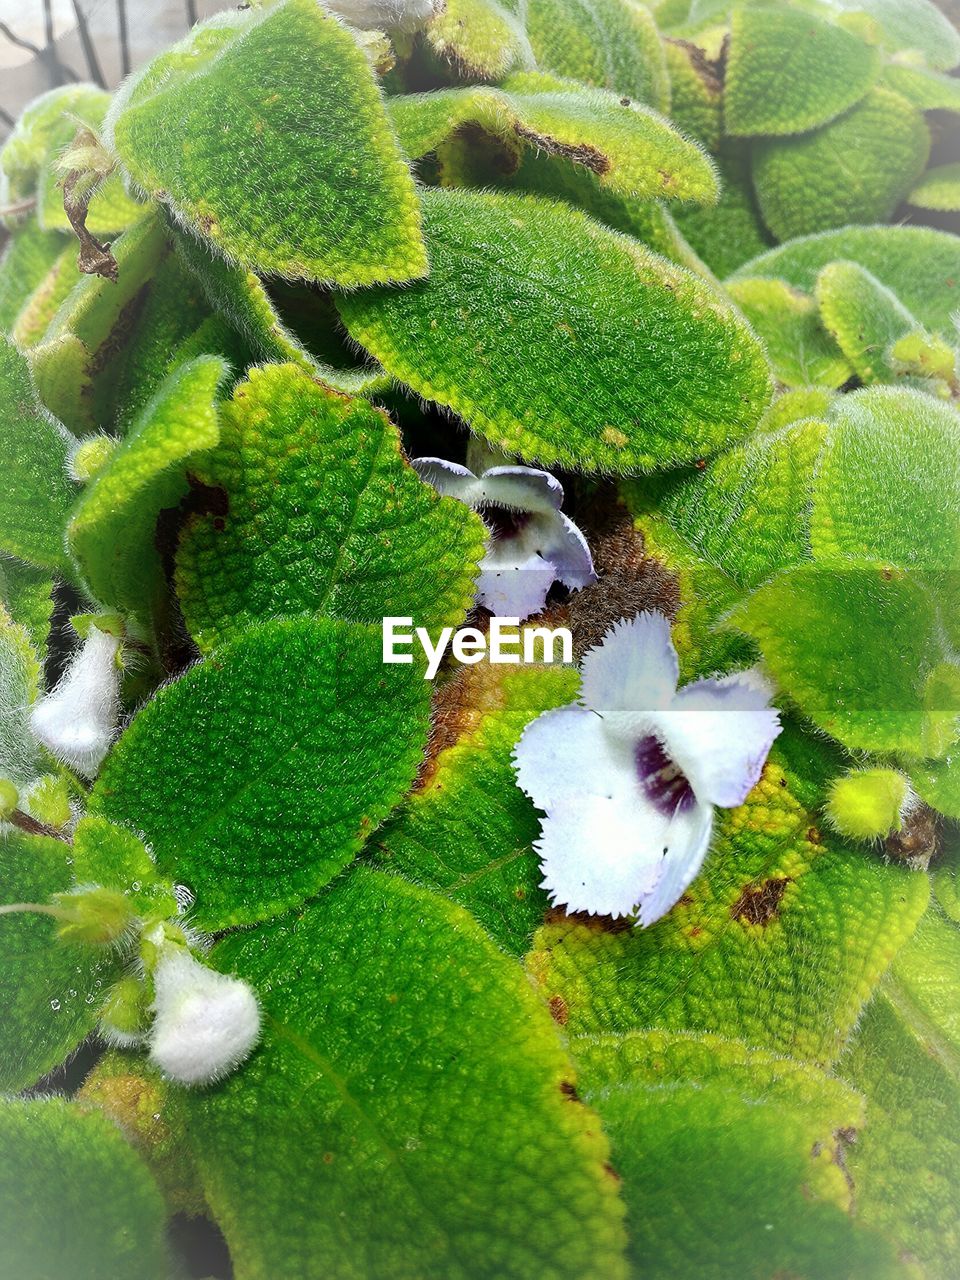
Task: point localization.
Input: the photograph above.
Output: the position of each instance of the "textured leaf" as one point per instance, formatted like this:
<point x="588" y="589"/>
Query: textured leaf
<point x="306" y="179"/>
<point x="47" y="124"/>
<point x="482" y="38"/>
<point x="27" y="594"/>
<point x="864" y="317"/>
<point x="240" y="296"/>
<point x="322" y="515"/>
<point x="939" y="188"/>
<point x="35" y="491"/>
<point x="46" y="299"/>
<point x="920" y="265"/>
<point x="633" y="151"/>
<point x="819" y="921"/>
<point x="69" y="365"/>
<point x="50" y="992"/>
<point x="905" y="1162"/>
<point x="112" y="528"/>
<point x="696" y="92"/>
<point x="612" y="44"/>
<point x="75" y="1198"/>
<point x="856" y="169"/>
<point x="732" y="1158"/>
<point x="789" y="71"/>
<point x="728" y="233"/>
<point x="862" y="650"/>
<point x="536" y="368"/>
<point x="801" y="352"/>
<point x="409" y="1082"/>
<point x="19" y="684"/>
<point x="748" y="512"/>
<point x="27" y="258"/>
<point x="261" y="772"/>
<point x="468" y="831"/>
<point x="937" y="782"/>
<point x="925" y="89"/>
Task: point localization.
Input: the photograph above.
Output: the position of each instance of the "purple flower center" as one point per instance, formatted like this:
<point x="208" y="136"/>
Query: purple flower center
<point x="503" y="522"/>
<point x="664" y="782"/>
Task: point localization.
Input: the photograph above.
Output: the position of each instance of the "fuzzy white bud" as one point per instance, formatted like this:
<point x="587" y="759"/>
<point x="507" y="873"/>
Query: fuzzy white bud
<point x="78" y="720"/>
<point x="385" y="15"/>
<point x="206" y="1023"/>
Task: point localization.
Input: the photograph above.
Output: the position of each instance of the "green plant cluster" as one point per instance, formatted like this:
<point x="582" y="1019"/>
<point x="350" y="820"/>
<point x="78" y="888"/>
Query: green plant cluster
<point x="647" y="246"/>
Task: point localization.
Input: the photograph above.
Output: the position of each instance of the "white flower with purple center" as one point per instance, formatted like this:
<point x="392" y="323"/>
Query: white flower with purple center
<point x="532" y="544"/>
<point x="628" y="778"/>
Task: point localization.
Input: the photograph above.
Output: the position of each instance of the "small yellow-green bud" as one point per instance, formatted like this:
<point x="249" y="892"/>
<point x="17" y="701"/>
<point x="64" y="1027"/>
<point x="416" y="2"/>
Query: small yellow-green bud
<point x="49" y="801"/>
<point x="125" y="1014"/>
<point x="9" y="799"/>
<point x="91" y="456"/>
<point x="93" y="915"/>
<point x="867" y="804"/>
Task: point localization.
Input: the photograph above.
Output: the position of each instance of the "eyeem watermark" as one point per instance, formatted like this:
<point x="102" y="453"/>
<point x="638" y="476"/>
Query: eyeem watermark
<point x="503" y="643"/>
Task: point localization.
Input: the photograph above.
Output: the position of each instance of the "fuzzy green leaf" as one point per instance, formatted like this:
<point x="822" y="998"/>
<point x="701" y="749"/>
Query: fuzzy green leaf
<point x="75" y="1198"/>
<point x="856" y="169"/>
<point x="939" y="189"/>
<point x="819" y="921"/>
<point x="864" y="317"/>
<point x="468" y="830"/>
<point x="260" y="773"/>
<point x="112" y="528"/>
<point x="909" y="27"/>
<point x="321" y="515"/>
<point x="35" y="491"/>
<point x="19" y="684"/>
<point x="27" y="594"/>
<point x="483" y="39"/>
<point x="47" y="298"/>
<point x="291" y="166"/>
<point x="730" y="232"/>
<point x="50" y="992"/>
<point x="28" y="257"/>
<point x="801" y="352"/>
<point x="789" y="71"/>
<point x="535" y="367"/>
<point x="772" y="1198"/>
<point x="921" y="266"/>
<point x="411" y="1083"/>
<point x="612" y="44"/>
<point x="633" y="151"/>
<point x="696" y="92"/>
<point x="47" y="125"/>
<point x="925" y="89"/>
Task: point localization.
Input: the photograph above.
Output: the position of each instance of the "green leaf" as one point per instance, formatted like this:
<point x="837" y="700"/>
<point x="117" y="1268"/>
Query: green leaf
<point x="939" y="189"/>
<point x="820" y="921"/>
<point x="633" y="151"/>
<point x="536" y="368"/>
<point x="864" y="317"/>
<point x="733" y="1159"/>
<point x="748" y="513"/>
<point x="35" y="491"/>
<point x="862" y="650"/>
<point x="905" y="1162"/>
<point x="789" y="71"/>
<point x="72" y="364"/>
<point x="19" y="683"/>
<point x="112" y="856"/>
<point x="47" y="125"/>
<point x="696" y="92"/>
<point x="75" y="1198"/>
<point x="612" y="44"/>
<point x="726" y="234"/>
<point x="291" y="167"/>
<point x="925" y="89"/>
<point x="27" y="594"/>
<point x="937" y="783"/>
<point x="321" y="515"/>
<point x="468" y="830"/>
<point x="892" y="470"/>
<point x="50" y="992"/>
<point x="921" y="266"/>
<point x="410" y="1082"/>
<point x="856" y="169"/>
<point x="801" y="352"/>
<point x="112" y="528"/>
<point x="260" y="773"/>
<point x="241" y="297"/>
<point x="483" y="39"/>
<point x="910" y="26"/>
<point x="46" y="299"/>
<point x="28" y="256"/>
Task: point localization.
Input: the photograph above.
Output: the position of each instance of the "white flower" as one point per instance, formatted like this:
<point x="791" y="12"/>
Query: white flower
<point x="629" y="777"/>
<point x="206" y="1023"/>
<point x="78" y="720"/>
<point x="385" y="15"/>
<point x="532" y="543"/>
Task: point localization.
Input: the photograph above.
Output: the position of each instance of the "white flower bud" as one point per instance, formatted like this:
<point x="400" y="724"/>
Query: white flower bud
<point x="77" y="721"/>
<point x="206" y="1023"/>
<point x="385" y="15"/>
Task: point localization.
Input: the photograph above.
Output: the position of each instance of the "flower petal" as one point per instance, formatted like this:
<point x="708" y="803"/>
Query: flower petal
<point x="687" y="839"/>
<point x="719" y="732"/>
<point x="448" y="478"/>
<point x="512" y="590"/>
<point x="566" y="549"/>
<point x="565" y="754"/>
<point x="522" y="488"/>
<point x="632" y="672"/>
<point x="609" y="858"/>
